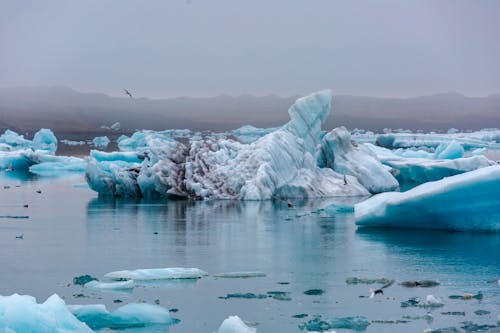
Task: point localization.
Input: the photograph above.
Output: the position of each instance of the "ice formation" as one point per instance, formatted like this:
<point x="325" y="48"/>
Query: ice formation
<point x="49" y="165"/>
<point x="347" y="157"/>
<point x="45" y="140"/>
<point x="21" y="313"/>
<point x="468" y="201"/>
<point x="241" y="274"/>
<point x="233" y="324"/>
<point x="282" y="163"/>
<point x="120" y="285"/>
<point x="249" y="133"/>
<point x="101" y="142"/>
<point x="96" y="316"/>
<point x="421" y="170"/>
<point x="157" y="274"/>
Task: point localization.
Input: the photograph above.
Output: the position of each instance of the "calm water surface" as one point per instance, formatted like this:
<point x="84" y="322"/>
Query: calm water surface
<point x="71" y="232"/>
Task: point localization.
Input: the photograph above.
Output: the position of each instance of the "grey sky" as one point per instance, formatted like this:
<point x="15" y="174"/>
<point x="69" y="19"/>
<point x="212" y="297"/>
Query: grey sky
<point x="210" y="47"/>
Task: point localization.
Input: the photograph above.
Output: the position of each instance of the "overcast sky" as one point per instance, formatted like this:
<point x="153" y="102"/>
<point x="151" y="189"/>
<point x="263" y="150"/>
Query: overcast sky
<point x="173" y="48"/>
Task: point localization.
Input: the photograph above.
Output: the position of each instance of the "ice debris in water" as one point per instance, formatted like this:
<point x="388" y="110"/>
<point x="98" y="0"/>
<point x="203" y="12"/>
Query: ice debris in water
<point x="443" y="330"/>
<point x="244" y="295"/>
<point x="82" y="279"/>
<point x="101" y="142"/>
<point x="157" y="274"/>
<point x="431" y="301"/>
<point x="357" y="323"/>
<point x="249" y="274"/>
<point x="478" y="296"/>
<point x="420" y="283"/>
<point x="234" y="324"/>
<point x="356" y="280"/>
<point x="21" y="313"/>
<point x="468" y="201"/>
<point x="120" y="285"/>
<point x="96" y="316"/>
<point x="314" y="292"/>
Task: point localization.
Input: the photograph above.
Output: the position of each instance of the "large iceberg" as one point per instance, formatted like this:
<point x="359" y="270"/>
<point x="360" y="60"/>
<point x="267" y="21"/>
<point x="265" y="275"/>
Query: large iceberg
<point x="20" y="314"/>
<point x="468" y="201"/>
<point x="45" y="139"/>
<point x="280" y="164"/>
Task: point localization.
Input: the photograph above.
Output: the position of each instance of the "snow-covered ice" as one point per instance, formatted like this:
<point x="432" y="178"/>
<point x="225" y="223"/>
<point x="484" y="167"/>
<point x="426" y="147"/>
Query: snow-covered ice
<point x="468" y="201"/>
<point x="233" y="324"/>
<point x="157" y="274"/>
<point x="120" y="285"/>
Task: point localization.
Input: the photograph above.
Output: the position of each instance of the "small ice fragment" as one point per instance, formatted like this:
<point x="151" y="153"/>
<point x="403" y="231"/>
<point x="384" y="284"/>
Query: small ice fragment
<point x="120" y="285"/>
<point x="83" y="279"/>
<point x="234" y="324"/>
<point x="314" y="292"/>
<point x="157" y="274"/>
<point x="249" y="274"/>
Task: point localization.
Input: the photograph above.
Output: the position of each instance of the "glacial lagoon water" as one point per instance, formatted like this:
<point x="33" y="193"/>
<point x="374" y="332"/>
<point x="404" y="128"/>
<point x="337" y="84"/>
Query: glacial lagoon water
<point x="71" y="232"/>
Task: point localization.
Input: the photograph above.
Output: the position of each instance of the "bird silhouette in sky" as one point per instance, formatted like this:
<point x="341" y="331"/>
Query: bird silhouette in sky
<point x="128" y="93"/>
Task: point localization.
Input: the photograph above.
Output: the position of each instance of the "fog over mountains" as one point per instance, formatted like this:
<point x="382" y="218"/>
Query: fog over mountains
<point x="26" y="109"/>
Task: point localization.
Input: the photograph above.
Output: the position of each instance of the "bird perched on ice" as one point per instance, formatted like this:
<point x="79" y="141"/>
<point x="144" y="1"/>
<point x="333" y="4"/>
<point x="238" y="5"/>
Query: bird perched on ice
<point x="380" y="290"/>
<point x="128" y="93"/>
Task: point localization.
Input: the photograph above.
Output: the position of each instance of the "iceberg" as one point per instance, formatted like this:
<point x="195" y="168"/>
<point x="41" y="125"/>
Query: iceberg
<point x="17" y="160"/>
<point x="465" y="202"/>
<point x="96" y="316"/>
<point x="449" y="151"/>
<point x="49" y="165"/>
<point x="280" y="164"/>
<point x="101" y="142"/>
<point x="14" y="141"/>
<point x="45" y="140"/>
<point x="21" y="313"/>
<point x="157" y="274"/>
<point x="233" y="324"/>
<point x="346" y="157"/>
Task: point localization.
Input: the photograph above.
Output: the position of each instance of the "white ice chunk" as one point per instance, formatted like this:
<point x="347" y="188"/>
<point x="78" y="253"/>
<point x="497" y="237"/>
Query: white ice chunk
<point x="349" y="158"/>
<point x="234" y="324"/>
<point x="121" y="285"/>
<point x="157" y="274"/>
<point x="14" y="140"/>
<point x="101" y="142"/>
<point x="45" y="139"/>
<point x="20" y="314"/>
<point x="449" y="151"/>
<point x="468" y="201"/>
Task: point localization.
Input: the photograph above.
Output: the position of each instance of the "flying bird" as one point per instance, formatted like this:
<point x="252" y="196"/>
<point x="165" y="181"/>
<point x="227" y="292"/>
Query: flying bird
<point x="380" y="291"/>
<point x="128" y="93"/>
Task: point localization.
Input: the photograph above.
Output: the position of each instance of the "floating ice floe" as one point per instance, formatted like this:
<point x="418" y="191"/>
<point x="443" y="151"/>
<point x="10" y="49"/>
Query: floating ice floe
<point x="157" y="274"/>
<point x="21" y="313"/>
<point x="55" y="165"/>
<point x="234" y="324"/>
<point x="240" y="274"/>
<point x="45" y="140"/>
<point x="468" y="201"/>
<point x="101" y="142"/>
<point x="120" y="285"/>
<point x="96" y="316"/>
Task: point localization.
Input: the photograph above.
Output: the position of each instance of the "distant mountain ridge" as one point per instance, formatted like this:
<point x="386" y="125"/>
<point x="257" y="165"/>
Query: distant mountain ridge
<point x="62" y="109"/>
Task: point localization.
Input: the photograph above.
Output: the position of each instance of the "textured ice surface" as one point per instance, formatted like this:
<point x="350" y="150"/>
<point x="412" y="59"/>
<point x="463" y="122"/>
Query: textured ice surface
<point x="101" y="142"/>
<point x="346" y="157"/>
<point x="14" y="141"/>
<point x="49" y="165"/>
<point x="45" y="139"/>
<point x="421" y="170"/>
<point x="96" y="316"/>
<point x="22" y="314"/>
<point x="121" y="285"/>
<point x="468" y="201"/>
<point x="157" y="274"/>
<point x="234" y="324"/>
<point x="282" y="163"/>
